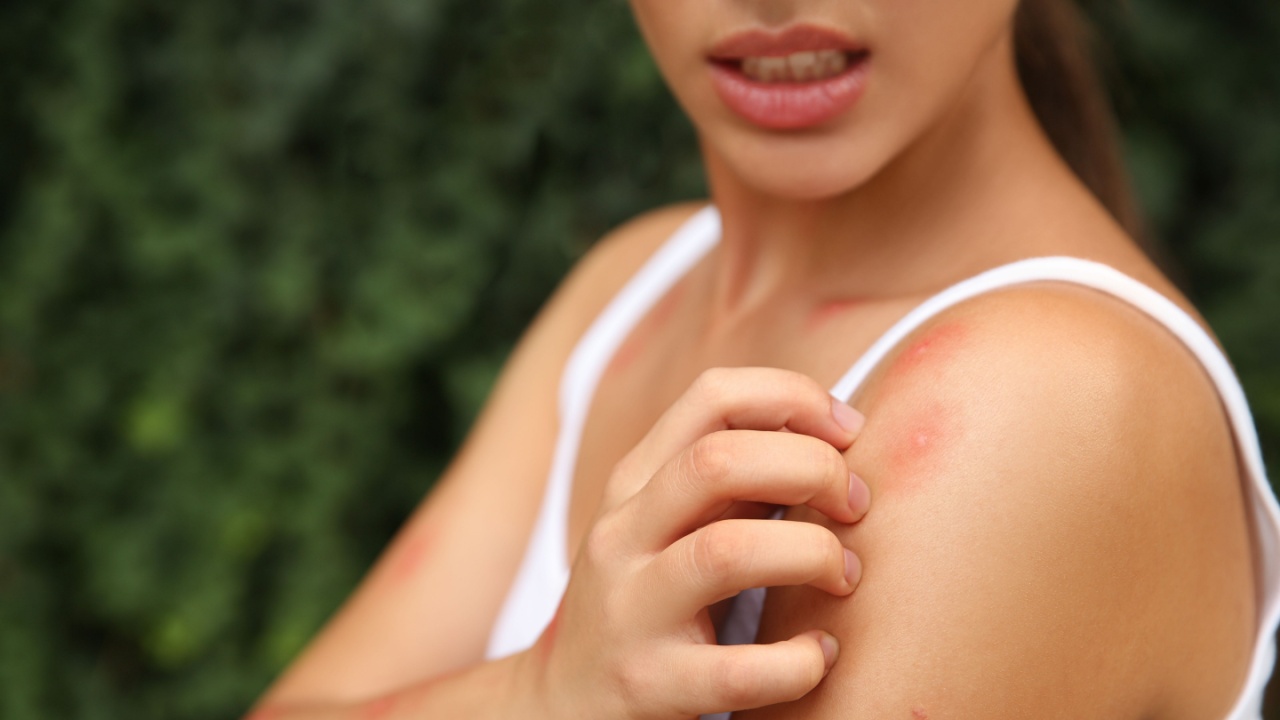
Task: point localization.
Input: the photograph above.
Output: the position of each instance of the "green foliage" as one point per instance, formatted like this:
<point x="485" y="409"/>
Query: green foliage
<point x="260" y="260"/>
<point x="259" y="263"/>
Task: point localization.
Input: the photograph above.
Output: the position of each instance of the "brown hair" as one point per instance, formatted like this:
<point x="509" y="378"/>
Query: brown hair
<point x="1052" y="44"/>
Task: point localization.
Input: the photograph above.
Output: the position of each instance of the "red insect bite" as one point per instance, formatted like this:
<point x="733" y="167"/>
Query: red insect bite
<point x="939" y="343"/>
<point x="917" y="440"/>
<point x="410" y="556"/>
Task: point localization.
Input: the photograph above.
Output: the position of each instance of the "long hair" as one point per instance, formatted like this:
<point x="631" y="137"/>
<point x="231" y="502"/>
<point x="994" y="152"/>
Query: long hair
<point x="1052" y="44"/>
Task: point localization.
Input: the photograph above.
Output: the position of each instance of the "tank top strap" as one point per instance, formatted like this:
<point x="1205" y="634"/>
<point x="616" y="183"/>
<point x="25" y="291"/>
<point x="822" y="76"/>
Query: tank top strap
<point x="543" y="575"/>
<point x="1103" y="278"/>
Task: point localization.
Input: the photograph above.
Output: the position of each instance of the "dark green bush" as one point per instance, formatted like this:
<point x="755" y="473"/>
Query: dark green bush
<point x="260" y="260"/>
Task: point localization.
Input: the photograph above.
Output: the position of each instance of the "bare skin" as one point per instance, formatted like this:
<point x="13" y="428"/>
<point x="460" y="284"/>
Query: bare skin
<point x="1057" y="526"/>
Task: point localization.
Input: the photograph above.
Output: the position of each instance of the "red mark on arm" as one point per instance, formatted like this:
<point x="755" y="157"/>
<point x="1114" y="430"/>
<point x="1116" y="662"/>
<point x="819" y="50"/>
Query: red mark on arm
<point x="408" y="557"/>
<point x="918" y="713"/>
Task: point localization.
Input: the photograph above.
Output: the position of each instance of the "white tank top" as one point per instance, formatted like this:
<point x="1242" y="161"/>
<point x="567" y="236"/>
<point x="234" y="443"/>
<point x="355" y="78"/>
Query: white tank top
<point x="544" y="572"/>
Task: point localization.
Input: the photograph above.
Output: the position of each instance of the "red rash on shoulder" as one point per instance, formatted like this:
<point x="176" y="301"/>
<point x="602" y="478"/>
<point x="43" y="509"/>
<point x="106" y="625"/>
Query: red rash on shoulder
<point x="636" y="341"/>
<point x="916" y="439"/>
<point x="938" y="343"/>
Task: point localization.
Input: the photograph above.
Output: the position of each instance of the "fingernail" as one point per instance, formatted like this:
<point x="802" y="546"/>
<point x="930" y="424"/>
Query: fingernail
<point x="852" y="568"/>
<point x="830" y="648"/>
<point x="859" y="495"/>
<point x="846" y="417"/>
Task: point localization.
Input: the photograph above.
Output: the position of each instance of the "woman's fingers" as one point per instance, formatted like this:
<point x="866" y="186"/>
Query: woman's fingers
<point x="727" y="557"/>
<point x="740" y="677"/>
<point x="736" y="398"/>
<point x="730" y="466"/>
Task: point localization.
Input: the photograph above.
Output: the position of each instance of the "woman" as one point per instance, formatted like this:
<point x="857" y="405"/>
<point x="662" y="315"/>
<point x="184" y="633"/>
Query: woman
<point x="1061" y="526"/>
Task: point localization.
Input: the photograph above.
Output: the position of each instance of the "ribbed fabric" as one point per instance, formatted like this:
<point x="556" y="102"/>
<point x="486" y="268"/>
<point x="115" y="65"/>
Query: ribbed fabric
<point x="544" y="572"/>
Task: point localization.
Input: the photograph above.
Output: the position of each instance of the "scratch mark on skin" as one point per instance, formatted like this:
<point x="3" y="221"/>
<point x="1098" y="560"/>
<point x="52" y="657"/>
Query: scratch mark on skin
<point x="379" y="708"/>
<point x="832" y="309"/>
<point x="937" y="344"/>
<point x="658" y="316"/>
<point x="548" y="638"/>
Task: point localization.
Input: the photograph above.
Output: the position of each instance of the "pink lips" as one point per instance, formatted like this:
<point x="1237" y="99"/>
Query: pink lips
<point x="787" y="105"/>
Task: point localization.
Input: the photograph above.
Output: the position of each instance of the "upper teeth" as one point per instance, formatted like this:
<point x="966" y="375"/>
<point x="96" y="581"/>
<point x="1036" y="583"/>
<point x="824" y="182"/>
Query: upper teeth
<point x="808" y="65"/>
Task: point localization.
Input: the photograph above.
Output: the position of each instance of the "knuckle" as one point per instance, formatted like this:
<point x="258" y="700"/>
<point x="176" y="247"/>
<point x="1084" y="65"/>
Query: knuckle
<point x="811" y="673"/>
<point x="835" y="467"/>
<point x="808" y="385"/>
<point x="800" y="386"/>
<point x="717" y="552"/>
<point x="833" y="552"/>
<point x="623" y="469"/>
<point x="713" y="384"/>
<point x="732" y="681"/>
<point x="636" y="685"/>
<point x="602" y="544"/>
<point x="710" y="460"/>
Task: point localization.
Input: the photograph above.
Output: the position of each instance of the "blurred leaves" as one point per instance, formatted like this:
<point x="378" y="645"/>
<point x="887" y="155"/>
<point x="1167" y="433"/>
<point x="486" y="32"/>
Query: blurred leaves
<point x="259" y="262"/>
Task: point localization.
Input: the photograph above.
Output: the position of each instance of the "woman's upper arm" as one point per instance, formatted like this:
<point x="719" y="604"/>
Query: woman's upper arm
<point x="1056" y="530"/>
<point x="428" y="603"/>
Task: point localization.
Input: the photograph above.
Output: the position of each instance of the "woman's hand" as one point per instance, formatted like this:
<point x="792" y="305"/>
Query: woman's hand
<point x="680" y="529"/>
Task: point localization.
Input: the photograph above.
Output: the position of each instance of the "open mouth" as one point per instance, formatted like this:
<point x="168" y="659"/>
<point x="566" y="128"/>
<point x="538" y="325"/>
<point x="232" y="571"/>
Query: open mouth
<point x="802" y="76"/>
<point x="796" y="67"/>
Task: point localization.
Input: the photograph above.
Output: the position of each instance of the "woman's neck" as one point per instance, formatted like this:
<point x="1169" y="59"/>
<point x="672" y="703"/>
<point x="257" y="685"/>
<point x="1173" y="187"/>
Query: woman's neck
<point x="955" y="202"/>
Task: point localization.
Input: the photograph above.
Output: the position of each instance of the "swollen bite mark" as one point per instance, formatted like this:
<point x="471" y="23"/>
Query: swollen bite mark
<point x="918" y="713"/>
<point x="917" y="440"/>
<point x="938" y="343"/>
<point x="409" y="558"/>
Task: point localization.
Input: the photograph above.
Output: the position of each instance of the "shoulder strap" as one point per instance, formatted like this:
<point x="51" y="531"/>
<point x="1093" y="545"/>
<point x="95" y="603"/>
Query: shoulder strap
<point x="544" y="572"/>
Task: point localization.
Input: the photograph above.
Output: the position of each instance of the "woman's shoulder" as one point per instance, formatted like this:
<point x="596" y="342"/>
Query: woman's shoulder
<point x="1054" y="486"/>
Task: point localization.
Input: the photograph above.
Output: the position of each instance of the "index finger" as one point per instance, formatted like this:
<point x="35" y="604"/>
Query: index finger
<point x="736" y="399"/>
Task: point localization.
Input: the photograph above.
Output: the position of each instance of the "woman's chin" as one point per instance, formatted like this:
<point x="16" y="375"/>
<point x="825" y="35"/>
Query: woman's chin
<point x="793" y="168"/>
<point x="791" y="178"/>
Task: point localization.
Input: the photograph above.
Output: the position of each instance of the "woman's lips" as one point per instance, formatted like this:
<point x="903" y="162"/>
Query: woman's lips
<point x="797" y="78"/>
